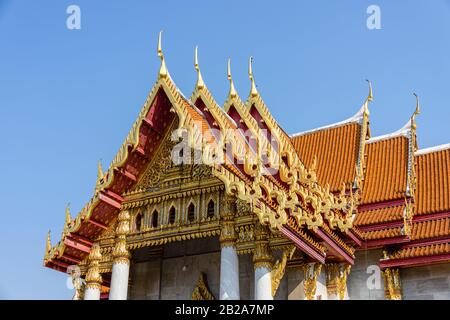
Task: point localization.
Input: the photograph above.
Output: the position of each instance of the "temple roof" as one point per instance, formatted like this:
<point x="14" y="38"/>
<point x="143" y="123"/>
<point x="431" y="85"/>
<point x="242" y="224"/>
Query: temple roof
<point x="386" y="170"/>
<point x="433" y="180"/>
<point x="336" y="149"/>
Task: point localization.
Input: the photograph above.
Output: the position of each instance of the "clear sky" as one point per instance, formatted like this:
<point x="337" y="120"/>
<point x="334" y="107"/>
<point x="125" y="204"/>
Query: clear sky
<point x="69" y="97"/>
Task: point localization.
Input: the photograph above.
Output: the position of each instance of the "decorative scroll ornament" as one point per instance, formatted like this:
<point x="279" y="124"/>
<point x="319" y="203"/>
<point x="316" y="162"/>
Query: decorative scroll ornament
<point x="392" y="283"/>
<point x="201" y="291"/>
<point x="311" y="273"/>
<point x="120" y="252"/>
<point x="279" y="268"/>
<point x="93" y="277"/>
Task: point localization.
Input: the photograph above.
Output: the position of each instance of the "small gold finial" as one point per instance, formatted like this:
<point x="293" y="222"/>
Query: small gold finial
<point x="370" y="96"/>
<point x="232" y="92"/>
<point x="200" y="83"/>
<point x="99" y="171"/>
<point x="48" y="245"/>
<point x="253" y="90"/>
<point x="416" y="112"/>
<point x="68" y="217"/>
<point x="162" y="69"/>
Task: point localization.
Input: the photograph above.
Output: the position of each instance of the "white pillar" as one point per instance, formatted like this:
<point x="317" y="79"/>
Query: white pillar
<point x="121" y="262"/>
<point x="92" y="293"/>
<point x="229" y="274"/>
<point x="119" y="281"/>
<point x="263" y="284"/>
<point x="229" y="261"/>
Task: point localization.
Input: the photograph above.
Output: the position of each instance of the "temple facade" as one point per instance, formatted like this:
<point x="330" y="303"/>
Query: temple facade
<point x="208" y="202"/>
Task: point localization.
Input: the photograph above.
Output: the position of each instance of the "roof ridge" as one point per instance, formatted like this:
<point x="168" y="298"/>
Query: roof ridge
<point x="440" y="147"/>
<point x="357" y="117"/>
<point x="400" y="132"/>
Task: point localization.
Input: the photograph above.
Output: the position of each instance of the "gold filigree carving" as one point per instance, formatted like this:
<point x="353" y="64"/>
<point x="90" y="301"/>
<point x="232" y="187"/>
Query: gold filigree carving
<point x="337" y="279"/>
<point x="392" y="284"/>
<point x="262" y="257"/>
<point x="120" y="252"/>
<point x="201" y="291"/>
<point x="93" y="277"/>
<point x="279" y="268"/>
<point x="311" y="272"/>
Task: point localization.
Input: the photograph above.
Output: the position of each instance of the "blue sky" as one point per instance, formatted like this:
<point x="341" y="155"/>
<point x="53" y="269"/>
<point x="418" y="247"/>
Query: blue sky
<point x="69" y="97"/>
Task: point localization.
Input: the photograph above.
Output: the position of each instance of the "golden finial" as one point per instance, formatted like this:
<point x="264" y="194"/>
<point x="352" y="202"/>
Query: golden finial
<point x="200" y="83"/>
<point x="48" y="245"/>
<point x="99" y="171"/>
<point x="370" y="96"/>
<point x="416" y="112"/>
<point x="162" y="69"/>
<point x="253" y="90"/>
<point x="68" y="217"/>
<point x="232" y="92"/>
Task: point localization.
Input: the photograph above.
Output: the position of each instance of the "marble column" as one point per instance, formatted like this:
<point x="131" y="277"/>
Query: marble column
<point x="93" y="277"/>
<point x="121" y="260"/>
<point x="336" y="280"/>
<point x="229" y="261"/>
<point x="262" y="262"/>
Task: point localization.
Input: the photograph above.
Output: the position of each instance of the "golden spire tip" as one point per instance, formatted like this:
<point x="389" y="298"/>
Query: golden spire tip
<point x="99" y="171"/>
<point x="417" y="111"/>
<point x="253" y="90"/>
<point x="162" y="69"/>
<point x="48" y="244"/>
<point x="200" y="83"/>
<point x="232" y="92"/>
<point x="370" y="96"/>
<point x="68" y="217"/>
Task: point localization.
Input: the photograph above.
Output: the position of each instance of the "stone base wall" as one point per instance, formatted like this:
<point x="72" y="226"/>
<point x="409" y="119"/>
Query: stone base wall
<point x="426" y="283"/>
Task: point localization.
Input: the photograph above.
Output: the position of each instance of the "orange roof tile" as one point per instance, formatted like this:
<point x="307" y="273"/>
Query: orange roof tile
<point x="380" y="215"/>
<point x="433" y="182"/>
<point x="336" y="149"/>
<point x="386" y="170"/>
<point x="420" y="251"/>
<point x="383" y="233"/>
<point x="430" y="229"/>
